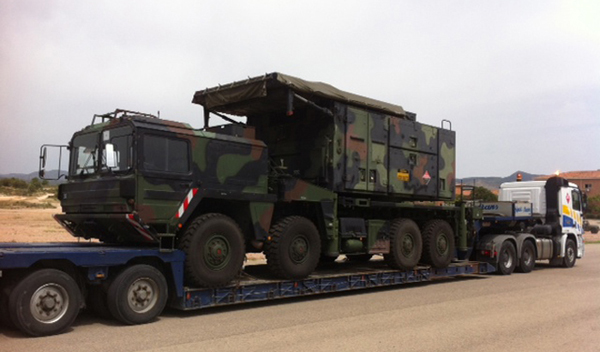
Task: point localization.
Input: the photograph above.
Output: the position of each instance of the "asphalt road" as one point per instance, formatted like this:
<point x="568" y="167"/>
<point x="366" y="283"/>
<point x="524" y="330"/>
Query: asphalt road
<point x="551" y="309"/>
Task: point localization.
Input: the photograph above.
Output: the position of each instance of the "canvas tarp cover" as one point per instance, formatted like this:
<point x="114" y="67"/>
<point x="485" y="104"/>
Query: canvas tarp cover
<point x="231" y="98"/>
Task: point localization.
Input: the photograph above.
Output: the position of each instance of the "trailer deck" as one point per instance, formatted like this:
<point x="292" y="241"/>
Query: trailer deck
<point x="253" y="285"/>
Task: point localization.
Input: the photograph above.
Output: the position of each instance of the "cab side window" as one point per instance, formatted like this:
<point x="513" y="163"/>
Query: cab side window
<point x="162" y="154"/>
<point x="576" y="200"/>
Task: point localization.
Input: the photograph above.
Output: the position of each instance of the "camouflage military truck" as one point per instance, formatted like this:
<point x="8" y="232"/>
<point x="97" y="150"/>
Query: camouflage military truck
<point x="313" y="173"/>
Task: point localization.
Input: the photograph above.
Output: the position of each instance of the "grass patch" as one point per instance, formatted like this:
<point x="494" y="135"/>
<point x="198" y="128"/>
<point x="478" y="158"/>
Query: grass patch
<point x="19" y="204"/>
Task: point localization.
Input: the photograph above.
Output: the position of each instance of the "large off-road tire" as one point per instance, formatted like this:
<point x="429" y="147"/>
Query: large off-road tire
<point x="45" y="302"/>
<point x="438" y="243"/>
<point x="507" y="259"/>
<point x="570" y="254"/>
<point x="137" y="295"/>
<point x="294" y="248"/>
<point x="405" y="245"/>
<point x="527" y="261"/>
<point x="214" y="250"/>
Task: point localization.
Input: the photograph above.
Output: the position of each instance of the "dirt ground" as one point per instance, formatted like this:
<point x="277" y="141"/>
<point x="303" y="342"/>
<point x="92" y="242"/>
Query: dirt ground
<point x="37" y="225"/>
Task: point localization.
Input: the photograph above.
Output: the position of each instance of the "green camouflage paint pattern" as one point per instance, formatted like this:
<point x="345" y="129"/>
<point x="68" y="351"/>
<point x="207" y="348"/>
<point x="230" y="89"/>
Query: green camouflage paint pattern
<point x="334" y="163"/>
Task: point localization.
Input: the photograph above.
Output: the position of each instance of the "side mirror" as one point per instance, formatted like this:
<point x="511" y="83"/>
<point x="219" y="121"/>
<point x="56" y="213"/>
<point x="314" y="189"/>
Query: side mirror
<point x="54" y="153"/>
<point x="109" y="151"/>
<point x="43" y="155"/>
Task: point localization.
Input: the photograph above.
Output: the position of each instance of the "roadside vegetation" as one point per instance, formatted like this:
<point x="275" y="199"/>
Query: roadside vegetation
<point x="17" y="194"/>
<point x="481" y="194"/>
<point x="593" y="209"/>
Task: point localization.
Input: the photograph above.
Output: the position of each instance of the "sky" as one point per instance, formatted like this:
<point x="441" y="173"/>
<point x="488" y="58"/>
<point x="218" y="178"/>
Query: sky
<point x="519" y="80"/>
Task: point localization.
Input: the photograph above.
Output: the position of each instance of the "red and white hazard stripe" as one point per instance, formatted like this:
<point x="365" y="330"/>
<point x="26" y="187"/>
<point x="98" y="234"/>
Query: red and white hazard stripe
<point x="186" y="202"/>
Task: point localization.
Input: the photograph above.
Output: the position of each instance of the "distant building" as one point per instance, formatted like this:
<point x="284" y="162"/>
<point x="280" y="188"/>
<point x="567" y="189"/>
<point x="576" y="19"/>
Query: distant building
<point x="588" y="181"/>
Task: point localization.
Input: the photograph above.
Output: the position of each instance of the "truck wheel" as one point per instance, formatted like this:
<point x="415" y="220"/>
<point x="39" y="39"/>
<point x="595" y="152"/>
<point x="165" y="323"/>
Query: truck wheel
<point x="527" y="261"/>
<point x="294" y="248"/>
<point x="405" y="245"/>
<point x="214" y="250"/>
<point x="137" y="295"/>
<point x="594" y="229"/>
<point x="96" y="301"/>
<point x="359" y="258"/>
<point x="438" y="243"/>
<point x="570" y="254"/>
<point x="45" y="302"/>
<point x="507" y="259"/>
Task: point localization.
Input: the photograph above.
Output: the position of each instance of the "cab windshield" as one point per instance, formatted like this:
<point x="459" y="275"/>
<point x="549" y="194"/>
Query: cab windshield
<point x="88" y="154"/>
<point x="84" y="154"/>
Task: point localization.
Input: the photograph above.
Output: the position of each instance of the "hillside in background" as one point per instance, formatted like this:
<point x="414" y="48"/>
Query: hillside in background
<point x="493" y="183"/>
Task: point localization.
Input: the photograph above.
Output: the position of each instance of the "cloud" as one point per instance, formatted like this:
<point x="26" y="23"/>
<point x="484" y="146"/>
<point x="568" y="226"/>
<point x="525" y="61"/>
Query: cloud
<point x="508" y="74"/>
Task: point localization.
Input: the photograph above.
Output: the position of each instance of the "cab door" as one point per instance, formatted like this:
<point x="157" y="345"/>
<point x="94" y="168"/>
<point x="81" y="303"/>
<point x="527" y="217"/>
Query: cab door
<point x="165" y="176"/>
<point x="572" y="215"/>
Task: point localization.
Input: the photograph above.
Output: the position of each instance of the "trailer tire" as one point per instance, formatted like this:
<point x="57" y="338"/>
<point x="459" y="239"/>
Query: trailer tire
<point x="214" y="250"/>
<point x="406" y="245"/>
<point x="45" y="302"/>
<point x="438" y="244"/>
<point x="294" y="248"/>
<point x="570" y="254"/>
<point x="137" y="295"/>
<point x="507" y="258"/>
<point x="527" y="261"/>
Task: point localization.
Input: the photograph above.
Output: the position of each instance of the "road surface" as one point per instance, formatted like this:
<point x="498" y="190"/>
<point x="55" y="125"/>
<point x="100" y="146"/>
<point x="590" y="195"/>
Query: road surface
<point x="551" y="309"/>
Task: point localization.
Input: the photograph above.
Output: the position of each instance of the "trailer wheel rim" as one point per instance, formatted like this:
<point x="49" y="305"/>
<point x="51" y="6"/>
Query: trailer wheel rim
<point x="142" y="295"/>
<point x="49" y="303"/>
<point x="527" y="257"/>
<point x="570" y="253"/>
<point x="216" y="252"/>
<point x="507" y="259"/>
<point x="408" y="245"/>
<point x="299" y="249"/>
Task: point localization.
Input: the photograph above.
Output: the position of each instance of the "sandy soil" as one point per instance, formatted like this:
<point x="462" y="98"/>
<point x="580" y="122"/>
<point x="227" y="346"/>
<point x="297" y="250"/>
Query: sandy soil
<point x="31" y="225"/>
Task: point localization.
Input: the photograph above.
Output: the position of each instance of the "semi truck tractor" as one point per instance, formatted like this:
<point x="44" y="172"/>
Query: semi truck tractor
<point x="312" y="173"/>
<point x="535" y="220"/>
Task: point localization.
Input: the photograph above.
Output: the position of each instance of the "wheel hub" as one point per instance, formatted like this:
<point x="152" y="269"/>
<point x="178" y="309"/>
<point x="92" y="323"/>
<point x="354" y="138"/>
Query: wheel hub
<point x="408" y="244"/>
<point x="507" y="259"/>
<point x="442" y="244"/>
<point x="49" y="303"/>
<point x="299" y="249"/>
<point x="216" y="252"/>
<point x="142" y="295"/>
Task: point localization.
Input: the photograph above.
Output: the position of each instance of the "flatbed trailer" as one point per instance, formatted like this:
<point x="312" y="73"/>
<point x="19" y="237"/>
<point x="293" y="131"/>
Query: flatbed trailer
<point x="58" y="277"/>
